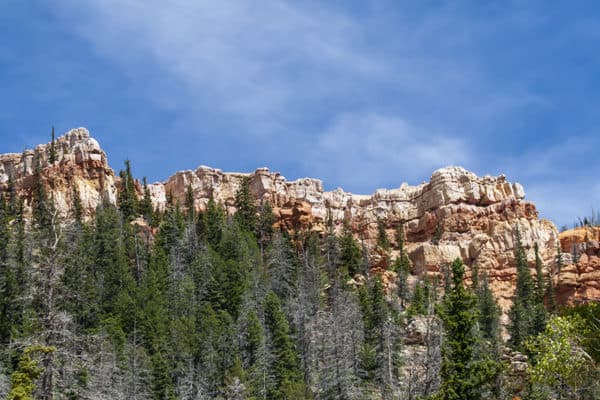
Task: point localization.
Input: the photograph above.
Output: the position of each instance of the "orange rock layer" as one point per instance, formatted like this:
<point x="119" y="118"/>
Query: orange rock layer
<point x="455" y="214"/>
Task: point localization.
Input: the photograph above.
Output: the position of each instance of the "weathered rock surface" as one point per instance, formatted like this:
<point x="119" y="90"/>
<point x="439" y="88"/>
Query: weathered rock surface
<point x="455" y="214"/>
<point x="579" y="279"/>
<point x="80" y="164"/>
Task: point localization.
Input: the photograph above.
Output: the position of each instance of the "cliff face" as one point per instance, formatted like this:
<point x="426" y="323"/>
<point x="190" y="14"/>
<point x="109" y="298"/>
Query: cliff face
<point x="80" y="164"/>
<point x="455" y="214"/>
<point x="579" y="278"/>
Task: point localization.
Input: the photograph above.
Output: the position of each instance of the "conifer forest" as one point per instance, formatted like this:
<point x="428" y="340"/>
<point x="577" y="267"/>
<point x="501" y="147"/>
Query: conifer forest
<point x="136" y="303"/>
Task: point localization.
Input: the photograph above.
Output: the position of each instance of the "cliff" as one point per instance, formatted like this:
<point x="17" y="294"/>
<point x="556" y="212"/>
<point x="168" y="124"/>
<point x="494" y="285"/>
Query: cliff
<point x="579" y="277"/>
<point x="455" y="214"/>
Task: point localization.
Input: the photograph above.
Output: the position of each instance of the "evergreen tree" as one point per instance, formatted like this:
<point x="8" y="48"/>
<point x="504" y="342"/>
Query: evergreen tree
<point x="214" y="221"/>
<point x="42" y="207"/>
<point x="52" y="157"/>
<point x="463" y="376"/>
<point x="254" y="337"/>
<point x="246" y="210"/>
<point x="77" y="206"/>
<point x="402" y="267"/>
<point x="80" y="281"/>
<point x="350" y="254"/>
<point x="8" y="285"/>
<point x="420" y="304"/>
<point x="190" y="206"/>
<point x="331" y="248"/>
<point x="155" y="319"/>
<point x="112" y="265"/>
<point x="127" y="200"/>
<point x="375" y="313"/>
<point x="288" y="375"/>
<point x="146" y="204"/>
<point x="382" y="239"/>
<point x="264" y="225"/>
<point x="527" y="312"/>
<point x="24" y="378"/>
<point x="489" y="311"/>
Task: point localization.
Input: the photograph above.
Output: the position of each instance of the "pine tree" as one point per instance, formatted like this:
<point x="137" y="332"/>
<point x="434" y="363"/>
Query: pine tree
<point x="419" y="304"/>
<point x="463" y="376"/>
<point x="112" y="265"/>
<point x="146" y="204"/>
<point x="214" y="221"/>
<point x="253" y="339"/>
<point x="402" y="266"/>
<point x="127" y="200"/>
<point x="155" y="320"/>
<point x="489" y="311"/>
<point x="382" y="239"/>
<point x="246" y="210"/>
<point x="77" y="206"/>
<point x="350" y="254"/>
<point x="527" y="311"/>
<point x="288" y="375"/>
<point x="80" y="280"/>
<point x="52" y="157"/>
<point x="8" y="285"/>
<point x="28" y="371"/>
<point x="264" y="225"/>
<point x="42" y="206"/>
<point x="190" y="206"/>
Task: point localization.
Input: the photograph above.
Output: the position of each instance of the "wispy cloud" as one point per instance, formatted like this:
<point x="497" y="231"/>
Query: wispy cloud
<point x="254" y="61"/>
<point x="360" y="98"/>
<point x="366" y="150"/>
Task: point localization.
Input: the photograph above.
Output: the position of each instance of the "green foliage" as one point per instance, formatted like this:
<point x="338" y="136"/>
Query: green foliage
<point x="42" y="206"/>
<point x="288" y="375"/>
<point x="80" y="280"/>
<point x="527" y="314"/>
<point x="421" y="303"/>
<point x="488" y="310"/>
<point x="77" y="206"/>
<point x="561" y="366"/>
<point x="28" y="371"/>
<point x="264" y="225"/>
<point x="246" y="210"/>
<point x="112" y="264"/>
<point x="463" y="376"/>
<point x="350" y="254"/>
<point x="52" y="157"/>
<point x="588" y="316"/>
<point x="214" y="221"/>
<point x="145" y="206"/>
<point x="382" y="239"/>
<point x="127" y="200"/>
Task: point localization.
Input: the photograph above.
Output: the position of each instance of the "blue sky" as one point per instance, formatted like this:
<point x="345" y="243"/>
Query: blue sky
<point x="362" y="95"/>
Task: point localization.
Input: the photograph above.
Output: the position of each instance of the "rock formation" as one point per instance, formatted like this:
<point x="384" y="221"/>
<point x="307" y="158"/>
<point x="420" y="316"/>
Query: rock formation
<point x="579" y="277"/>
<point x="455" y="214"/>
<point x="80" y="165"/>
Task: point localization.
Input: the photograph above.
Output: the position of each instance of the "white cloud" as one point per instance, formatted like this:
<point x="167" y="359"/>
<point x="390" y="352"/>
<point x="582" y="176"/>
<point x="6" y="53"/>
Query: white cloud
<point x="252" y="60"/>
<point x="371" y="149"/>
<point x="357" y="100"/>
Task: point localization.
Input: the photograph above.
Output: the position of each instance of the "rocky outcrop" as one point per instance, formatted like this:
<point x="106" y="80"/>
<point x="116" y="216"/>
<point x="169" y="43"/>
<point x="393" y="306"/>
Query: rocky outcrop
<point x="80" y="163"/>
<point x="455" y="214"/>
<point x="578" y="279"/>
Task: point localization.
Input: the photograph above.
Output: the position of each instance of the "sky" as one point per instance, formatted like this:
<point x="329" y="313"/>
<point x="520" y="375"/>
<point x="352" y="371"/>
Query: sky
<point x="361" y="94"/>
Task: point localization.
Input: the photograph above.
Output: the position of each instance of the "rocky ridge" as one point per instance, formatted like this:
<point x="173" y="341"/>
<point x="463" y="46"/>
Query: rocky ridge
<point x="455" y="214"/>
